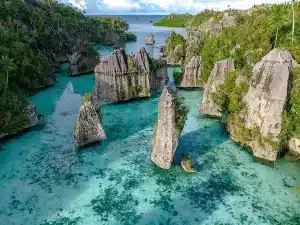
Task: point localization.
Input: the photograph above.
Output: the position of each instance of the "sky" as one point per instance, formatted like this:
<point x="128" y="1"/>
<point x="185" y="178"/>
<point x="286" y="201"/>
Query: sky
<point x="119" y="7"/>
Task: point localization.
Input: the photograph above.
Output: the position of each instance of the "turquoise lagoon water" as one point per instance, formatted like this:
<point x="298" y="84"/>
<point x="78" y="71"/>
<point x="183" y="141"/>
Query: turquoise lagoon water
<point x="44" y="180"/>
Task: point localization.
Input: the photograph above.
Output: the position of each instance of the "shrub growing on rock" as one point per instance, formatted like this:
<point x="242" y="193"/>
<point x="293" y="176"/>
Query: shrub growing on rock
<point x="180" y="115"/>
<point x="178" y="76"/>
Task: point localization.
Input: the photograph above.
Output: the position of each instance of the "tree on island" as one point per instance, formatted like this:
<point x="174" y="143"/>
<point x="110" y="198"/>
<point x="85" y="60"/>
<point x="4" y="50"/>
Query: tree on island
<point x="6" y="61"/>
<point x="293" y="30"/>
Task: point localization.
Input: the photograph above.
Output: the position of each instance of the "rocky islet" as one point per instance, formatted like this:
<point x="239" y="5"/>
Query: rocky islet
<point x="88" y="129"/>
<point x="121" y="77"/>
<point x="265" y="102"/>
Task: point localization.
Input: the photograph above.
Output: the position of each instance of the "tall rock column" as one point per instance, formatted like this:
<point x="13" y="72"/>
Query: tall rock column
<point x="171" y="118"/>
<point x="265" y="102"/>
<point x="88" y="128"/>
<point x="215" y="80"/>
<point x="149" y="40"/>
<point x="192" y="73"/>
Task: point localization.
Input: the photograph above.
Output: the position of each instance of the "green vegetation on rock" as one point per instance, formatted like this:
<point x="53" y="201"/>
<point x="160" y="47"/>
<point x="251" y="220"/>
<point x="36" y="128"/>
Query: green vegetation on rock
<point x="131" y="66"/>
<point x="153" y="64"/>
<point x="175" y="49"/>
<point x="131" y="36"/>
<point x="181" y="112"/>
<point x="34" y="37"/>
<point x="187" y="160"/>
<point x="178" y="76"/>
<point x="87" y="97"/>
<point x="135" y="90"/>
<point x="148" y="92"/>
<point x="174" y="20"/>
<point x="204" y="16"/>
<point x="291" y="116"/>
<point x="174" y="40"/>
<point x="251" y="38"/>
<point x="229" y="96"/>
<point x="254" y="35"/>
<point x="100" y="113"/>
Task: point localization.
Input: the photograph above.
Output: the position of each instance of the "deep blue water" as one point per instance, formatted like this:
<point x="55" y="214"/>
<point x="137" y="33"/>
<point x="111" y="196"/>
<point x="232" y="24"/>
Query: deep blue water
<point x="44" y="180"/>
<point x="141" y="26"/>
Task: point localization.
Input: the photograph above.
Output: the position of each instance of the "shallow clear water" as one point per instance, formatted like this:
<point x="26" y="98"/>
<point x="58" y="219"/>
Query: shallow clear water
<point x="44" y="180"/>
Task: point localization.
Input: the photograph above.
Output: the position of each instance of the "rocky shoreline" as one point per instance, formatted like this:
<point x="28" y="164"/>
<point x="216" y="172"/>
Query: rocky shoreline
<point x="252" y="98"/>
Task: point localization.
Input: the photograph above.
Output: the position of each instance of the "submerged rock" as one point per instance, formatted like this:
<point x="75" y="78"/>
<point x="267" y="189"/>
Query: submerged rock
<point x="32" y="118"/>
<point x="265" y="102"/>
<point x="192" y="73"/>
<point x="150" y="39"/>
<point x="186" y="164"/>
<point x="171" y="119"/>
<point x="215" y="80"/>
<point x="88" y="128"/>
<point x="120" y="77"/>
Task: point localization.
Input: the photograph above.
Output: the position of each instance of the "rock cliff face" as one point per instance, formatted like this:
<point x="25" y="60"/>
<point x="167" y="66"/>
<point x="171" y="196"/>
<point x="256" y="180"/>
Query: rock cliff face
<point x="194" y="33"/>
<point x="192" y="46"/>
<point x="265" y="102"/>
<point x="120" y="77"/>
<point x="114" y="38"/>
<point x="294" y="146"/>
<point x="110" y="36"/>
<point x="150" y="39"/>
<point x="165" y="139"/>
<point x="216" y="78"/>
<point x="175" y="57"/>
<point x="228" y="20"/>
<point x="192" y="73"/>
<point x="33" y="119"/>
<point x="211" y="26"/>
<point x="82" y="63"/>
<point x="88" y="128"/>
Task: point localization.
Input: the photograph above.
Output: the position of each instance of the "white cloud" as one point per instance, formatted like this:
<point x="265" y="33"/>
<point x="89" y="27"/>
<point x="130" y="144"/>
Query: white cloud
<point x="168" y="6"/>
<point x="119" y="4"/>
<point x="80" y="4"/>
<point x="235" y="4"/>
<point x="198" y="5"/>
